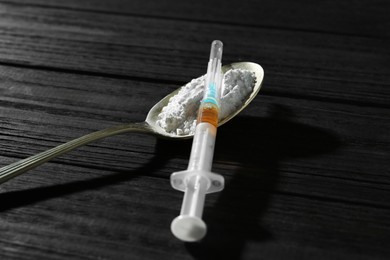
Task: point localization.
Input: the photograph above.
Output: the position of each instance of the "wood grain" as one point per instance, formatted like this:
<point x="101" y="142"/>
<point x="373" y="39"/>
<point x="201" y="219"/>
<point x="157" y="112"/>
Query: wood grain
<point x="363" y="18"/>
<point x="306" y="164"/>
<point x="308" y="64"/>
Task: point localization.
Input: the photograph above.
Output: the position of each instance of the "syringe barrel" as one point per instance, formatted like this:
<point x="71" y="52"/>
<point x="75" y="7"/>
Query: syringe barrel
<point x="202" y="150"/>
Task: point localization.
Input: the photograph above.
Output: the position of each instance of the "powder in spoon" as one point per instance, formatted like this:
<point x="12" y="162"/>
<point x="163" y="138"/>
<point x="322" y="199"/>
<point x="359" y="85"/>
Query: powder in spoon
<point x="179" y="115"/>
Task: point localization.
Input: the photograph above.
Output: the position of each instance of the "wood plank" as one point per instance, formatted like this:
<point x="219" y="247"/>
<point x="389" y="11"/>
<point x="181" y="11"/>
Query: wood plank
<point x="312" y="65"/>
<point x="114" y="215"/>
<point x="365" y="18"/>
<point x="307" y="145"/>
<point x="306" y="164"/>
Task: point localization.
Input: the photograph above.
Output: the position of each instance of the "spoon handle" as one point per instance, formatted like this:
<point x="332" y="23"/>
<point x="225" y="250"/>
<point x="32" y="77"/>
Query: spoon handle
<point x="10" y="171"/>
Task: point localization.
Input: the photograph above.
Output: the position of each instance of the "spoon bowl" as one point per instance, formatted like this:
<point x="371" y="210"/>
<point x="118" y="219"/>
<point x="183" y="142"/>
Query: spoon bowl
<point x="149" y="126"/>
<point x="152" y="116"/>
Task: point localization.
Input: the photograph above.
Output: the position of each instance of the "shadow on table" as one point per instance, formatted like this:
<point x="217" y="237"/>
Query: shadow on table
<point x="255" y="146"/>
<point x="165" y="150"/>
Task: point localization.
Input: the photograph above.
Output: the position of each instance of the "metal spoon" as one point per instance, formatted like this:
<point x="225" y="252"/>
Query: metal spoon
<point x="149" y="126"/>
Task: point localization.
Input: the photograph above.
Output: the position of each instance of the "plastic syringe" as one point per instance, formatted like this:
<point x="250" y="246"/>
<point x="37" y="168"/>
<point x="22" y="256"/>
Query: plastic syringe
<point x="198" y="180"/>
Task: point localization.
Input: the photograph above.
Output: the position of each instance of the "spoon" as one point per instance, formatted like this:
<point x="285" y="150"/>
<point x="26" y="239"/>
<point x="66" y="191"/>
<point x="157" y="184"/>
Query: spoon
<point x="149" y="126"/>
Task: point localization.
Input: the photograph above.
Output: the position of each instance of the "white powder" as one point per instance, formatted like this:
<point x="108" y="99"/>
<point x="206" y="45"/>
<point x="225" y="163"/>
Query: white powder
<point x="179" y="115"/>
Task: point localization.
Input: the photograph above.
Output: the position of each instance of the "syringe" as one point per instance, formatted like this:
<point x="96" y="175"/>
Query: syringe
<point x="198" y="180"/>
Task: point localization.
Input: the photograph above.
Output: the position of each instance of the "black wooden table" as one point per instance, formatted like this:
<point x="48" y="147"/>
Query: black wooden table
<point x="306" y="164"/>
